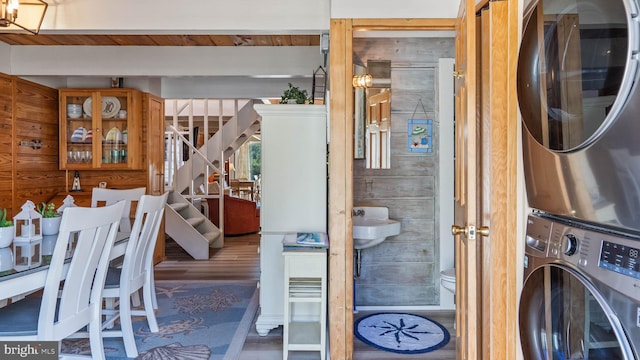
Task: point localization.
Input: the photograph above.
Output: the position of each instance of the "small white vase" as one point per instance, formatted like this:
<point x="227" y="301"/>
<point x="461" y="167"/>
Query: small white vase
<point x="51" y="226"/>
<point x="6" y="236"/>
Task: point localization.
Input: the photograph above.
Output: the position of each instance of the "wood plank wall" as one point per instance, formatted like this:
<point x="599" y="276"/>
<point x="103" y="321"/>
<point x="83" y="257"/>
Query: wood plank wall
<point x="28" y="112"/>
<point x="6" y="148"/>
<point x="404" y="270"/>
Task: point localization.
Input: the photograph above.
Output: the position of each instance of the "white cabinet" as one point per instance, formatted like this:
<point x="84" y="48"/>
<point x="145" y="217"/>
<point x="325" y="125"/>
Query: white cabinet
<point x="305" y="295"/>
<point x="293" y="193"/>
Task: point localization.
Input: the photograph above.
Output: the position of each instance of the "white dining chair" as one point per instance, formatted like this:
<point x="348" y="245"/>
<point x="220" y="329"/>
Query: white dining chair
<point x="103" y="196"/>
<point x="72" y="294"/>
<point x="135" y="274"/>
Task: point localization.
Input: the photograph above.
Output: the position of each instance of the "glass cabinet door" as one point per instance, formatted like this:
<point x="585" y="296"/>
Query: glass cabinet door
<point x="76" y="131"/>
<point x="114" y="129"/>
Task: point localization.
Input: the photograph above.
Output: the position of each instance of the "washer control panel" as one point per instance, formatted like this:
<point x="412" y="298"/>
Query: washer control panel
<point x="612" y="259"/>
<point x="620" y="258"/>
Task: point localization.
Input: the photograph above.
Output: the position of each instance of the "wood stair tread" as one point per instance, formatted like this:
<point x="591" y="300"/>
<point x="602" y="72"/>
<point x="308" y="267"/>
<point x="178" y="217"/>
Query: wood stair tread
<point x="211" y="236"/>
<point x="195" y="221"/>
<point x="179" y="206"/>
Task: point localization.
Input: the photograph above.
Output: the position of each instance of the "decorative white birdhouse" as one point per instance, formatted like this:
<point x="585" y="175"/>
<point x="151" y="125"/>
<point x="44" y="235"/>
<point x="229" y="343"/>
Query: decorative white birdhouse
<point x="68" y="201"/>
<point x="27" y="242"/>
<point x="28" y="223"/>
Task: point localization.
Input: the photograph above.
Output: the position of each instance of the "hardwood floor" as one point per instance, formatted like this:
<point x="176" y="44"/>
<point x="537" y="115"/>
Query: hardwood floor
<point x="239" y="260"/>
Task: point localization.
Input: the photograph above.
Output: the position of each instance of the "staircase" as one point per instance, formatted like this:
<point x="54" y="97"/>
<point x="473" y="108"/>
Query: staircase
<point x="189" y="228"/>
<point x="219" y="147"/>
<point x="185" y="223"/>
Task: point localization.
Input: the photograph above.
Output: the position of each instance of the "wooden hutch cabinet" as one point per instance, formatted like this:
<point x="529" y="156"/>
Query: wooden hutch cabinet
<point x="100" y="129"/>
<point x="126" y="148"/>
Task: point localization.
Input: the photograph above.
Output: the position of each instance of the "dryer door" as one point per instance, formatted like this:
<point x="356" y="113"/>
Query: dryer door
<point x="563" y="316"/>
<point x="571" y="69"/>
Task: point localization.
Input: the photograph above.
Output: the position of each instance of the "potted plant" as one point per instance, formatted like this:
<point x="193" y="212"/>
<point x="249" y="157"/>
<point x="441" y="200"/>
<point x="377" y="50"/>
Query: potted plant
<point x="293" y="95"/>
<point x="50" y="218"/>
<point x="6" y="230"/>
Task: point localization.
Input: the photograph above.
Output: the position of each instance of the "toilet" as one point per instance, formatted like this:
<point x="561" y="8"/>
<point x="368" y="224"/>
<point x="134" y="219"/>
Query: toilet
<point x="448" y="279"/>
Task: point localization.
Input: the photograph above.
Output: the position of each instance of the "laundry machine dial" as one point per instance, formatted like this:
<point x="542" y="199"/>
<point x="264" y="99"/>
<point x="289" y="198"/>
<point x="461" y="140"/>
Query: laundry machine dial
<point x="569" y="244"/>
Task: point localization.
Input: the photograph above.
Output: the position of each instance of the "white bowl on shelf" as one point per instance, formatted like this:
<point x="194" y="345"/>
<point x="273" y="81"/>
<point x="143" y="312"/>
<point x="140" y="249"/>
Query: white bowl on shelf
<point x="74" y="111"/>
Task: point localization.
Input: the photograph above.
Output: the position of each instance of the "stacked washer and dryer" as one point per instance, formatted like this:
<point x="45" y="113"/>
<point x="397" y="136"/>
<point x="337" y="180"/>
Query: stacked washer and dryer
<point x="578" y="79"/>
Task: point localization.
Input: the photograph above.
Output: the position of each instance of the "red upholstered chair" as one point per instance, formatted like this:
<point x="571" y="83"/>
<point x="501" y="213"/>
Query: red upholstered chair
<point x="241" y="216"/>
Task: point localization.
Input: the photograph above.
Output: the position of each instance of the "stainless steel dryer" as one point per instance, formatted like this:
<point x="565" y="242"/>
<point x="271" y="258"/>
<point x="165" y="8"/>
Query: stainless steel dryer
<point x="580" y="102"/>
<point x="581" y="294"/>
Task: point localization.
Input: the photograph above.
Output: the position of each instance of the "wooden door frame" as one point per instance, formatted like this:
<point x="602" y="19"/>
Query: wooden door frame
<point x="504" y="281"/>
<point x="341" y="168"/>
<point x="499" y="119"/>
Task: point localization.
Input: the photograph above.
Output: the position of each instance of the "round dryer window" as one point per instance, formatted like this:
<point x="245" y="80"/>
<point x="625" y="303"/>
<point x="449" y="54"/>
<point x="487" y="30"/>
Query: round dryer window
<point x="575" y="68"/>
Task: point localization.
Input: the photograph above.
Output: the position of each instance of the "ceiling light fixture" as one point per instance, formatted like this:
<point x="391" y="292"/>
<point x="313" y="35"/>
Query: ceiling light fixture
<point x="22" y="15"/>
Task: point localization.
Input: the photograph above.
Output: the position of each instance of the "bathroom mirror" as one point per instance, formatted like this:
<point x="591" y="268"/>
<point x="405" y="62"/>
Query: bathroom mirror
<point x="378" y="129"/>
<point x="378" y="115"/>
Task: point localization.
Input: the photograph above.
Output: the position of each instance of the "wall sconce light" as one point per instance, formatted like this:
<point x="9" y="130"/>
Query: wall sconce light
<point x="22" y="14"/>
<point x="362" y="81"/>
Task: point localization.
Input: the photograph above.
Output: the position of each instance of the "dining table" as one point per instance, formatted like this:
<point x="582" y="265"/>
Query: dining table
<point x="243" y="186"/>
<point x="17" y="282"/>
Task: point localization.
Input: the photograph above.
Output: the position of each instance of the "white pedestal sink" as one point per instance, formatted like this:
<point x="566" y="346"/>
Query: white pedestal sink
<point x="371" y="226"/>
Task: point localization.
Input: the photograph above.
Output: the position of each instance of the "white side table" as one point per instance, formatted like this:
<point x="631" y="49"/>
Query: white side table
<point x="305" y="294"/>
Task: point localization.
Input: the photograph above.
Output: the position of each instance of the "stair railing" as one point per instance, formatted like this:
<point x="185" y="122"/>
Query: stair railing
<point x="178" y="140"/>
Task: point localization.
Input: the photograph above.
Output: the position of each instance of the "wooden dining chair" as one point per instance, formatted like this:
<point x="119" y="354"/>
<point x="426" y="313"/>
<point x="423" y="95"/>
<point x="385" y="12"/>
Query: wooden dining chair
<point x="135" y="274"/>
<point x="72" y="294"/>
<point x="102" y="196"/>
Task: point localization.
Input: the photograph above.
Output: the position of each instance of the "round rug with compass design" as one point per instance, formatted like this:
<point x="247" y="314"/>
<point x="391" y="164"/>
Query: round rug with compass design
<point x="401" y="333"/>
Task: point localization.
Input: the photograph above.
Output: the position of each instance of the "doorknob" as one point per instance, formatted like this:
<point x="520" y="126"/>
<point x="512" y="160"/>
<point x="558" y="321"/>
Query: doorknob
<point x="484" y="231"/>
<point x="458" y="230"/>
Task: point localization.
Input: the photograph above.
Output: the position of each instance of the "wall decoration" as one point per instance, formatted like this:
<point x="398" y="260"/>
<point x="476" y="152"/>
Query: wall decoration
<point x="420" y="136"/>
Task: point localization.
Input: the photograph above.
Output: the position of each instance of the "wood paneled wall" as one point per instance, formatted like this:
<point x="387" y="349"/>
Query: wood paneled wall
<point x="6" y="143"/>
<point x="28" y="112"/>
<point x="403" y="270"/>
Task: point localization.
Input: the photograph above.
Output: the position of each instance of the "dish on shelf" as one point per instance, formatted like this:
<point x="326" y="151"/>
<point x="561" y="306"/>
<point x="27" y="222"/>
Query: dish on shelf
<point x="79" y="135"/>
<point x="86" y="106"/>
<point x="88" y="137"/>
<point x="114" y="135"/>
<point x="74" y="111"/>
<point x="109" y="107"/>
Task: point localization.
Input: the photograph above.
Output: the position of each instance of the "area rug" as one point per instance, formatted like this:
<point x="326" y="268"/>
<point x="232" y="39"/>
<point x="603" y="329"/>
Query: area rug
<point x="401" y="333"/>
<point x="197" y="320"/>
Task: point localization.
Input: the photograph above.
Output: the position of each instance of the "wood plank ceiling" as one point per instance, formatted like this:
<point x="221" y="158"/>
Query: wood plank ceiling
<point x="160" y="40"/>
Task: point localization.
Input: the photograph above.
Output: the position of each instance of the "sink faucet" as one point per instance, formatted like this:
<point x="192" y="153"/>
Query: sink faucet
<point x="359" y="212"/>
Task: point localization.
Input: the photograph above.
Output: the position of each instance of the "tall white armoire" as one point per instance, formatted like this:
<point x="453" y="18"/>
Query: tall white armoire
<point x="293" y="193"/>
